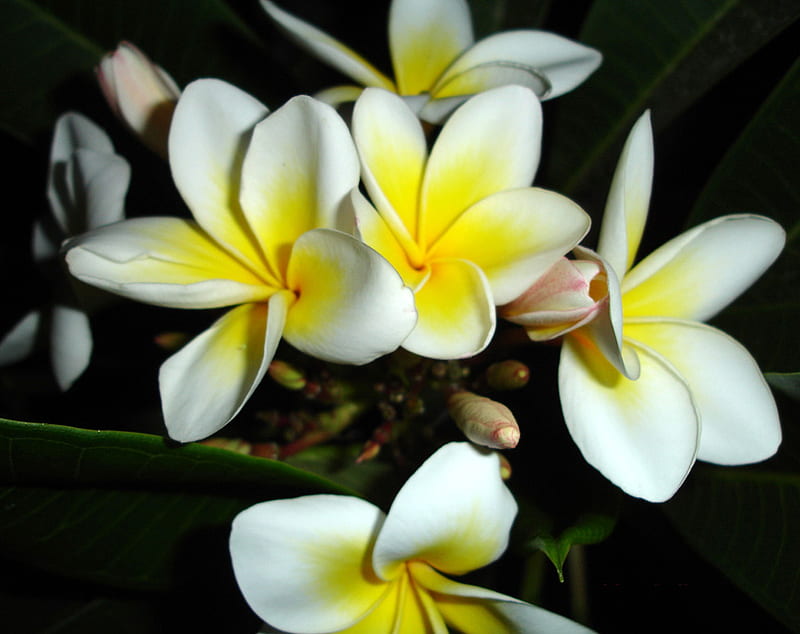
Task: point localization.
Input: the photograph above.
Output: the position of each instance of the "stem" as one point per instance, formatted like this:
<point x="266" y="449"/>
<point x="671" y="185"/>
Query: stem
<point x="579" y="597"/>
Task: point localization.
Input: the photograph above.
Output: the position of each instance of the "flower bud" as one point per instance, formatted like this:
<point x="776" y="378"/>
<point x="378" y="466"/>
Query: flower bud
<point x="140" y="93"/>
<point x="566" y="297"/>
<point x="507" y="375"/>
<point x="484" y="421"/>
<point x="287" y="375"/>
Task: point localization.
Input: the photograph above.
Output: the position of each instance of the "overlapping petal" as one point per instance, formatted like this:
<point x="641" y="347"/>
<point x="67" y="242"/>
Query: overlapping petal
<point x="698" y="273"/>
<point x="739" y="418"/>
<point x="70" y="343"/>
<point x="642" y="435"/>
<point x="300" y="563"/>
<point x="351" y="305"/>
<point x="206" y="383"/>
<point x="163" y="261"/>
<point x="425" y="36"/>
<point x="455" y="524"/>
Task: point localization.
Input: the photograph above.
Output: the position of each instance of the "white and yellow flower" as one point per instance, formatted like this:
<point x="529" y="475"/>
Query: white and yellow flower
<point x="265" y="193"/>
<point x="461" y="224"/>
<point x="438" y="64"/>
<point x="646" y="388"/>
<point x="327" y="563"/>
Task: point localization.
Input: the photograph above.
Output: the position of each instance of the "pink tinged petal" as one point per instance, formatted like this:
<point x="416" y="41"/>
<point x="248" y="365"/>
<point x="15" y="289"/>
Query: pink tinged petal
<point x="300" y="165"/>
<point x="327" y="49"/>
<point x="642" y="435"/>
<point x="19" y="342"/>
<point x="549" y="64"/>
<point x="628" y="199"/>
<point x="208" y="139"/>
<point x="352" y="306"/>
<point x="302" y="564"/>
<point x="163" y="261"/>
<point x="454" y="514"/>
<point x="206" y="383"/>
<point x="489" y="144"/>
<point x="393" y="151"/>
<point x="70" y="344"/>
<point x="456" y="312"/>
<point x="514" y="236"/>
<point x="425" y="36"/>
<point x="738" y="413"/>
<point x="697" y="274"/>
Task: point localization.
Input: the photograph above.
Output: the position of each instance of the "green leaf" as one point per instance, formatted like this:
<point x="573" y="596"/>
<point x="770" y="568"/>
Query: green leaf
<point x="122" y="509"/>
<point x="663" y="55"/>
<point x="788" y="383"/>
<point x="746" y="522"/>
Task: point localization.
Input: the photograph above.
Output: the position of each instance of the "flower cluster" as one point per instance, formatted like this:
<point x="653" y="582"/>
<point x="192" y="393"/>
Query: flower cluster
<point x="414" y="225"/>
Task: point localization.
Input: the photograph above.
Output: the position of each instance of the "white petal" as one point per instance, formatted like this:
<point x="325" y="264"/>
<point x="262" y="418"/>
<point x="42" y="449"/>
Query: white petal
<point x="697" y="274"/>
<point x="19" y="342"/>
<point x="454" y="513"/>
<point x="738" y="413"/>
<point x="560" y="64"/>
<point x="642" y="435"/>
<point x="302" y="564"/>
<point x="70" y="344"/>
<point x="628" y="199"/>
<point x="425" y="36"/>
<point x="105" y="178"/>
<point x="208" y="138"/>
<point x="300" y="165"/>
<point x="206" y="383"/>
<point x="327" y="49"/>
<point x="352" y="306"/>
<point x="337" y="95"/>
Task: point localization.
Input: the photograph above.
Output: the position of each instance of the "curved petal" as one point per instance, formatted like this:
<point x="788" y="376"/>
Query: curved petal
<point x="454" y="513"/>
<point x="19" y="342"/>
<point x="456" y="312"/>
<point x="474" y="610"/>
<point x="642" y="435"/>
<point x="352" y="306"/>
<point x="514" y="236"/>
<point x="697" y="274"/>
<point x="490" y="75"/>
<point x="327" y="49"/>
<point x="300" y="165"/>
<point x="208" y="137"/>
<point x="162" y="261"/>
<point x="559" y="64"/>
<point x="425" y="36"/>
<point x="337" y="95"/>
<point x="70" y="344"/>
<point x="105" y="178"/>
<point x="738" y="413"/>
<point x="489" y="144"/>
<point x="393" y="151"/>
<point x="628" y="199"/>
<point x="206" y="383"/>
<point x="303" y="564"/>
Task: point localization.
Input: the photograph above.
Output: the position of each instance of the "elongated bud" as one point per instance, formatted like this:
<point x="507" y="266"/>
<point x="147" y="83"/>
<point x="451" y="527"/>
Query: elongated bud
<point x="566" y="297"/>
<point x="484" y="421"/>
<point x="287" y="375"/>
<point x="140" y="93"/>
<point x="507" y="375"/>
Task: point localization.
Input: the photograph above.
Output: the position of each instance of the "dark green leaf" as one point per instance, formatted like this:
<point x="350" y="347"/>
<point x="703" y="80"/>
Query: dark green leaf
<point x="788" y="383"/>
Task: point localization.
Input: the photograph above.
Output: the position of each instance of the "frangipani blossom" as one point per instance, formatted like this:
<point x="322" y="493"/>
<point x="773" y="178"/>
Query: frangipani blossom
<point x="86" y="187"/>
<point x="461" y="224"/>
<point x="327" y="563"/>
<point x="265" y="193"/>
<point x="438" y="64"/>
<point x="646" y="387"/>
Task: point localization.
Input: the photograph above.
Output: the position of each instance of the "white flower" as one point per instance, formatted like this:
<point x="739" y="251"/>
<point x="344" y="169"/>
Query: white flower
<point x="327" y="563"/>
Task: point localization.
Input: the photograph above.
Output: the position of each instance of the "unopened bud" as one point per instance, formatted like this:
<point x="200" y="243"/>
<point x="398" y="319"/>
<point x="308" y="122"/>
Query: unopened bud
<point x="484" y="421"/>
<point x="287" y="375"/>
<point x="507" y="375"/>
<point x="505" y="468"/>
<point x="171" y="341"/>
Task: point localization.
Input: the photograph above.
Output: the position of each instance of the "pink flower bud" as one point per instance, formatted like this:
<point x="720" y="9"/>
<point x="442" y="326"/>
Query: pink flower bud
<point x="566" y="297"/>
<point x="484" y="421"/>
<point x="507" y="375"/>
<point x="140" y="93"/>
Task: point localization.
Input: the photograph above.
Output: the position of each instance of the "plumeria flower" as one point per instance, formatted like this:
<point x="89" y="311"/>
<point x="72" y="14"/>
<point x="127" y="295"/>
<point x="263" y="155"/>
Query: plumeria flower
<point x="645" y="386"/>
<point x="86" y="186"/>
<point x="265" y="193"/>
<point x="438" y="64"/>
<point x="141" y="94"/>
<point x="461" y="224"/>
<point x="328" y="563"/>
